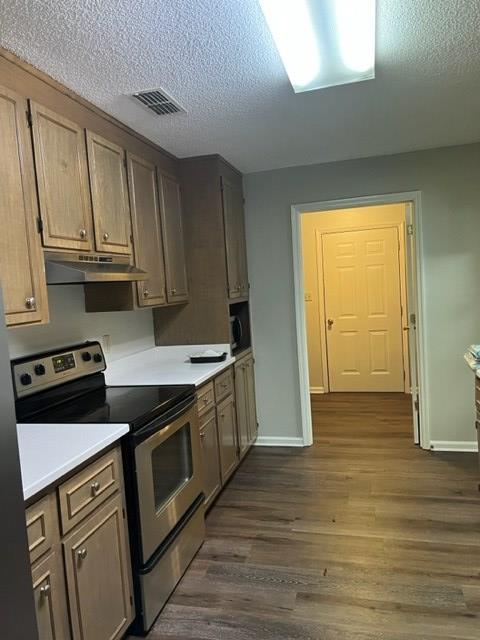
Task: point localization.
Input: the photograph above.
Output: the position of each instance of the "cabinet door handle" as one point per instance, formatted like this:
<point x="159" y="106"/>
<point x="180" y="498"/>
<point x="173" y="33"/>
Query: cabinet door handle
<point x="45" y="590"/>
<point x="202" y="435"/>
<point x="173" y="292"/>
<point x="30" y="303"/>
<point x="105" y="236"/>
<point x="146" y="293"/>
<point x="82" y="553"/>
<point x="83" y="234"/>
<point x="95" y="486"/>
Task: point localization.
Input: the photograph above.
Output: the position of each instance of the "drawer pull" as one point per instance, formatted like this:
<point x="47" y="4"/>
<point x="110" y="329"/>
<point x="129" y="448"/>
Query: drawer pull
<point x="82" y="553"/>
<point x="95" y="487"/>
<point x="83" y="234"/>
<point x="45" y="591"/>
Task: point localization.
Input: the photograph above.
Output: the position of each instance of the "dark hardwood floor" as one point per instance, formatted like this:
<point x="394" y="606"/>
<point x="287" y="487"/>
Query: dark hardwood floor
<point x="361" y="537"/>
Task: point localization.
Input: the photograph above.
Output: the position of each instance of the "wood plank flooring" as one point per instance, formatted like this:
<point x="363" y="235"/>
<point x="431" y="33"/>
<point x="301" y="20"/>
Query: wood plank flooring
<point x="361" y="537"/>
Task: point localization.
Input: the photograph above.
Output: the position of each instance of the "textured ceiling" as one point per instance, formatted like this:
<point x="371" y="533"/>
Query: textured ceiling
<point x="218" y="60"/>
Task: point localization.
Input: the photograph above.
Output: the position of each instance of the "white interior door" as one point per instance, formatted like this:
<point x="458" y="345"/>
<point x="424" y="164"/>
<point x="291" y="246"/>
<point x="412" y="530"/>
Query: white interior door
<point x="363" y="310"/>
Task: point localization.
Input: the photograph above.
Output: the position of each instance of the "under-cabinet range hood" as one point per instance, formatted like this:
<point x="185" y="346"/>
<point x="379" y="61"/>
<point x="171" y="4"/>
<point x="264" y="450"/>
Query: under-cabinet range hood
<point x="77" y="268"/>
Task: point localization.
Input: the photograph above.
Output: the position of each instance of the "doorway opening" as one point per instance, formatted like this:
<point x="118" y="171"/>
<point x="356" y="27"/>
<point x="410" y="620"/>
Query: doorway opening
<point x="358" y="284"/>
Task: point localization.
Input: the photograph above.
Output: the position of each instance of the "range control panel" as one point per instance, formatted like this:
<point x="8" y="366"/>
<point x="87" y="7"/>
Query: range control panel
<point x="49" y="369"/>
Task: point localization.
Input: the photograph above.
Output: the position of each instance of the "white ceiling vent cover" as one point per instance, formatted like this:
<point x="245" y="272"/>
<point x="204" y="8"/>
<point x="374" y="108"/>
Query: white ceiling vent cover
<point x="159" y="102"/>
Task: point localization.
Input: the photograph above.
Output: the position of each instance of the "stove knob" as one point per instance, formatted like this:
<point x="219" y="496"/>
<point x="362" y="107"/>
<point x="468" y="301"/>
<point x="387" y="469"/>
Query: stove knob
<point x="86" y="356"/>
<point x="97" y="357"/>
<point x="39" y="369"/>
<point x="25" y="379"/>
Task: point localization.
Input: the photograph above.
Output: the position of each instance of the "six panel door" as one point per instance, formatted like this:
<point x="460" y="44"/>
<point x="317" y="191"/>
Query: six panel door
<point x="147" y="230"/>
<point x="21" y="258"/>
<point x="227" y="434"/>
<point x="363" y="310"/>
<point x="97" y="569"/>
<point x="62" y="178"/>
<point x="173" y="239"/>
<point x="108" y="185"/>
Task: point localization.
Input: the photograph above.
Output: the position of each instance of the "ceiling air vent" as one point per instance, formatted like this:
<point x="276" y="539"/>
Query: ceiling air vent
<point x="159" y="102"/>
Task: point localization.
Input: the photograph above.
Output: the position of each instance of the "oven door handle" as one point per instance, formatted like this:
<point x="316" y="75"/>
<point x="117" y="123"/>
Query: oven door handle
<point x="167" y="418"/>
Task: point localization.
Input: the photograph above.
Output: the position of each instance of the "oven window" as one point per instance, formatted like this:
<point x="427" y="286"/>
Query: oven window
<point x="171" y="466"/>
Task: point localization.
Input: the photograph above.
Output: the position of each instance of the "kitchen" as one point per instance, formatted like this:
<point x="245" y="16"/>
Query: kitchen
<point x="121" y="264"/>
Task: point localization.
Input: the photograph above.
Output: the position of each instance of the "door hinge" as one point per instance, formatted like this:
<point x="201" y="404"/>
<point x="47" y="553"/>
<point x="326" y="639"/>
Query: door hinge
<point x="29" y="119"/>
<point x="39" y="225"/>
<point x="410" y="229"/>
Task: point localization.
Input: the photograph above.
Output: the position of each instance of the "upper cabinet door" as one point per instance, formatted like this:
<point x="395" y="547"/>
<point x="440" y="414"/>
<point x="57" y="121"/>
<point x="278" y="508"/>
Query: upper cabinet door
<point x="62" y="178"/>
<point x="173" y="240"/>
<point x="147" y="231"/>
<point x="232" y="199"/>
<point x="108" y="185"/>
<point x="22" y="271"/>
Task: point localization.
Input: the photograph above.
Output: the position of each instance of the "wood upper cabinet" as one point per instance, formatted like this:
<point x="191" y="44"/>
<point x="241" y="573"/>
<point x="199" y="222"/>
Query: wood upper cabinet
<point x="227" y="435"/>
<point x="49" y="598"/>
<point x="97" y="570"/>
<point x="22" y="272"/>
<point x="147" y="230"/>
<point x="62" y="178"/>
<point x="108" y="185"/>
<point x="173" y="239"/>
<point x="235" y="247"/>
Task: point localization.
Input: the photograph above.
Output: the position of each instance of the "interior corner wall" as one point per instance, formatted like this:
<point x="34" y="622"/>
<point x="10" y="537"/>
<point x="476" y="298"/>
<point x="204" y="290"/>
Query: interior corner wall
<point x="311" y="224"/>
<point x="448" y="179"/>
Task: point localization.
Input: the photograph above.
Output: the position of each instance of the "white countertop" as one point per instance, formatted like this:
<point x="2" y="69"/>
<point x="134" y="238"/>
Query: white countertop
<point x="165" y="365"/>
<point x="50" y="451"/>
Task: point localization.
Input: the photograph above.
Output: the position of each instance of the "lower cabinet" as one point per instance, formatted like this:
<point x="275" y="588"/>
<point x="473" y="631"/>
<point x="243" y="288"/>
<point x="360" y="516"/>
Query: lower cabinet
<point x="49" y="596"/>
<point x="228" y="423"/>
<point x="97" y="570"/>
<point x="211" y="456"/>
<point x="227" y="436"/>
<point x="83" y="577"/>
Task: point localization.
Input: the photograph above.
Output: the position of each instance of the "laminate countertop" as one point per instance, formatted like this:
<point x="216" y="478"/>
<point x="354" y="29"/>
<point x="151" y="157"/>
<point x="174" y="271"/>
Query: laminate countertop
<point x="165" y="365"/>
<point x="50" y="451"/>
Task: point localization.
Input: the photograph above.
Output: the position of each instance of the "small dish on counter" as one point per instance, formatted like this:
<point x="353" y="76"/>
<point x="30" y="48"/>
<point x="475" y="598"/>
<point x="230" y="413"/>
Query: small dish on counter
<point x="210" y="355"/>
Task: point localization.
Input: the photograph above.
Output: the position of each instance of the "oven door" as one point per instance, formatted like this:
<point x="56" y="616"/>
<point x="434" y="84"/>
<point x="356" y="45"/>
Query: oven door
<point x="169" y="474"/>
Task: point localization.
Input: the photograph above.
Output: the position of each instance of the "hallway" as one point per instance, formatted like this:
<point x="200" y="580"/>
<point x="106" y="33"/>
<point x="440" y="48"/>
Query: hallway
<point x="361" y="537"/>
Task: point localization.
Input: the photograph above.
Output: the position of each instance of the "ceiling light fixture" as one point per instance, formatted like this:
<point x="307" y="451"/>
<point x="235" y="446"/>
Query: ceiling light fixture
<point x="323" y="43"/>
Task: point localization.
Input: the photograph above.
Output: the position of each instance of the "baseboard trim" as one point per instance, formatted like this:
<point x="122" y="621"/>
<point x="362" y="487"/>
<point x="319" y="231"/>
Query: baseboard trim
<point x="273" y="441"/>
<point x="317" y="390"/>
<point x="454" y="445"/>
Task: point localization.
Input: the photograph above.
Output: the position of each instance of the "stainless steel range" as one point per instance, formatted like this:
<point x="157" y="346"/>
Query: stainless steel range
<point x="161" y="454"/>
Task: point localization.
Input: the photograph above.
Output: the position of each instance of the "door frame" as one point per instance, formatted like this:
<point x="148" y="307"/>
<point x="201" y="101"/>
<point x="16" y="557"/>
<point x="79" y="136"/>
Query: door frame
<point x="413" y="217"/>
<point x="319" y="234"/>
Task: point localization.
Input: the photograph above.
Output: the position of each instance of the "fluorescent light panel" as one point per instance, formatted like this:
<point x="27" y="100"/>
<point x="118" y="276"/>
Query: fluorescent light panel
<point x="323" y="43"/>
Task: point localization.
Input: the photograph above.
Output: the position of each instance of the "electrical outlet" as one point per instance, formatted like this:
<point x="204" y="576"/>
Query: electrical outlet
<point x="308" y="297"/>
<point x="106" y="342"/>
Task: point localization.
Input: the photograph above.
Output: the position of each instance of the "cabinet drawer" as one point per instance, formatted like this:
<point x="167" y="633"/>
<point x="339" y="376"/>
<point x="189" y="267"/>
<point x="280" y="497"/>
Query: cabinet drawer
<point x="80" y="495"/>
<point x="223" y="385"/>
<point x="205" y="398"/>
<point x="42" y="529"/>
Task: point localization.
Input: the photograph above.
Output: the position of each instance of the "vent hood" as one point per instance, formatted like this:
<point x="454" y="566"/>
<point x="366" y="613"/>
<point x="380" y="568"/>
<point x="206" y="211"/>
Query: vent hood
<point x="74" y="268"/>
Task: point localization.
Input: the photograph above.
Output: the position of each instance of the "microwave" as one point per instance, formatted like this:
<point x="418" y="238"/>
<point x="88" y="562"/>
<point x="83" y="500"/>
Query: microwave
<point x="236" y="332"/>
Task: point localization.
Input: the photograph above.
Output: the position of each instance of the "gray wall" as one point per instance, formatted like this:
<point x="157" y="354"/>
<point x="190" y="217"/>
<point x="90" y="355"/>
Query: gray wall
<point x="449" y="179"/>
<point x="130" y="331"/>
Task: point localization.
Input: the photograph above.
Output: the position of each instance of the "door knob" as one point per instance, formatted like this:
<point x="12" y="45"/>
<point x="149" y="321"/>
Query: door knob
<point x="330" y="324"/>
<point x="30" y="303"/>
<point x="83" y="234"/>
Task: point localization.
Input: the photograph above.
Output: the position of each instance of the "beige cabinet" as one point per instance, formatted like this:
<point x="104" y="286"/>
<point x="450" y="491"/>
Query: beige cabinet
<point x="147" y="230"/>
<point x="245" y="403"/>
<point x="234" y="228"/>
<point x="173" y="239"/>
<point x="62" y="178"/>
<point x="211" y="456"/>
<point x="22" y="273"/>
<point x="227" y="435"/>
<point x="49" y="598"/>
<point x="97" y="570"/>
<point x="108" y="185"/>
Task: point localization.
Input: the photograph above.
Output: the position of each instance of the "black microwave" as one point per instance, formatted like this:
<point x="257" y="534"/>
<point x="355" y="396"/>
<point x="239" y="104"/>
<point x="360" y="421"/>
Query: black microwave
<point x="236" y="332"/>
